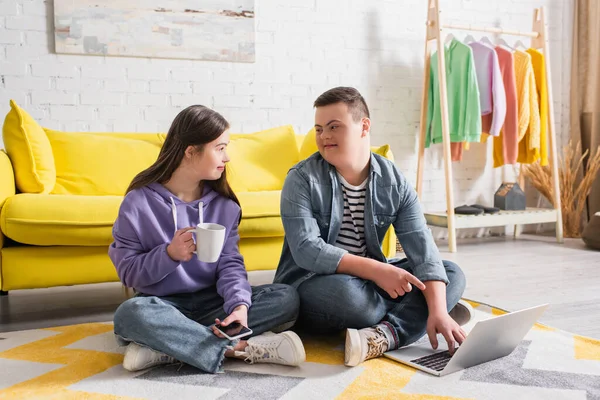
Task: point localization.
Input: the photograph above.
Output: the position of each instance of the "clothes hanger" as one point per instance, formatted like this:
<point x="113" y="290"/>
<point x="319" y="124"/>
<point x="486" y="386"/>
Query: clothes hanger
<point x="518" y="44"/>
<point x="502" y="42"/>
<point x="486" y="40"/>
<point x="469" y="39"/>
<point x="449" y="38"/>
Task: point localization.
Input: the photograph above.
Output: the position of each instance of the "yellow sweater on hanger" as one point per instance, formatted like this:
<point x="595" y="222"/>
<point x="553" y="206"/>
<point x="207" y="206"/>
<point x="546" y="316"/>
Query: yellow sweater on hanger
<point x="539" y="71"/>
<point x="529" y="113"/>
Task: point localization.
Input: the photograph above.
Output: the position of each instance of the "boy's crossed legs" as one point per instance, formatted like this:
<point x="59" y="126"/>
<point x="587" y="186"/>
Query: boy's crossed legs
<point x="376" y="323"/>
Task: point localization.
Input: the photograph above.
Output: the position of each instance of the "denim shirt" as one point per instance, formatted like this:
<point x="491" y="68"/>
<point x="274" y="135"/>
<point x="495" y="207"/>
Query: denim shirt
<point x="312" y="208"/>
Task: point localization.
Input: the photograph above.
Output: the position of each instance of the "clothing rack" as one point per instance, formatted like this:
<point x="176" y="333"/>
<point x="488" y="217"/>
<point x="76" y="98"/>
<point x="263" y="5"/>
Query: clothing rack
<point x="448" y="219"/>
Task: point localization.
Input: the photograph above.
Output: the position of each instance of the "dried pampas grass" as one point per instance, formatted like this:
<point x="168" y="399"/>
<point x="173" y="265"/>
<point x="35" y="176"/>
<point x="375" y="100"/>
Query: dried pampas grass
<point x="399" y="248"/>
<point x="573" y="191"/>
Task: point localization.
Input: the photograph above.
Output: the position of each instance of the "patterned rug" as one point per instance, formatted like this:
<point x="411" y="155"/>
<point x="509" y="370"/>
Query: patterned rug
<point x="84" y="362"/>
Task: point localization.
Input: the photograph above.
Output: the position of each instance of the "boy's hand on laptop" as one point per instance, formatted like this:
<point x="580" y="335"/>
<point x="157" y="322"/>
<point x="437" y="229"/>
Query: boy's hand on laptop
<point x="442" y="323"/>
<point x="397" y="281"/>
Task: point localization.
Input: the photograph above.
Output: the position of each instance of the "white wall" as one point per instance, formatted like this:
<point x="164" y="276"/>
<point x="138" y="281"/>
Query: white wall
<point x="303" y="47"/>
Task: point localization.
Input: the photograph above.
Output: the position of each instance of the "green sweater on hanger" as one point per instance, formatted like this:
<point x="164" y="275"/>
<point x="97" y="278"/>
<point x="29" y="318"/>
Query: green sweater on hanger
<point x="464" y="112"/>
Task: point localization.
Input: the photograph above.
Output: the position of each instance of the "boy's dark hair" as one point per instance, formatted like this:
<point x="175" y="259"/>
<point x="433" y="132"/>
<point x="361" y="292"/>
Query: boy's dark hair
<point x="347" y="95"/>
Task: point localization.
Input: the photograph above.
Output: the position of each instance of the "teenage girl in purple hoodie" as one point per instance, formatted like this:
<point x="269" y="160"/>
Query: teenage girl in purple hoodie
<point x="178" y="297"/>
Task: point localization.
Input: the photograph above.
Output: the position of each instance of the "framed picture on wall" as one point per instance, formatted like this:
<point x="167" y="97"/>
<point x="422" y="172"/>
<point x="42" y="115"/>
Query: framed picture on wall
<point x="217" y="30"/>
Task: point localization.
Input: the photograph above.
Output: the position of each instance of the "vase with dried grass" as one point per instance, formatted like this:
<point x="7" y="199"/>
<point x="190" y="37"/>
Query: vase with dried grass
<point x="576" y="177"/>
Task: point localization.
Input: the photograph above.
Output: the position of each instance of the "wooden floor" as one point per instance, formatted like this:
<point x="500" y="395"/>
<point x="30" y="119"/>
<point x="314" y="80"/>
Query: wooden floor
<point x="503" y="272"/>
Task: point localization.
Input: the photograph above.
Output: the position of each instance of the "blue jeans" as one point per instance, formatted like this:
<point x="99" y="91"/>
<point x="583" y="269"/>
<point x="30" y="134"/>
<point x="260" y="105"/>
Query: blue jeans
<point x="336" y="302"/>
<point x="178" y="325"/>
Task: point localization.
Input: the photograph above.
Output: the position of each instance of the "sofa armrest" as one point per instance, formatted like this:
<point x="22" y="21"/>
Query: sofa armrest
<point x="7" y="183"/>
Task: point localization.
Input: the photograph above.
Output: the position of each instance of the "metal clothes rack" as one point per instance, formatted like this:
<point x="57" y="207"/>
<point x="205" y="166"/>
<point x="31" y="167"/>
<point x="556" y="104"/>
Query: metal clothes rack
<point x="539" y="40"/>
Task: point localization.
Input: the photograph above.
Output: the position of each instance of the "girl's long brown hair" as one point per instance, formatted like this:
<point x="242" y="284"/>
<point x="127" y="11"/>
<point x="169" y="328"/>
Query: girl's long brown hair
<point x="196" y="126"/>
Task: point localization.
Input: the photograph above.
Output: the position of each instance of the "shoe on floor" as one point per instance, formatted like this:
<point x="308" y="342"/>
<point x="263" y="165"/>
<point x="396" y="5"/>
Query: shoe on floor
<point x="139" y="357"/>
<point x="282" y="348"/>
<point x="467" y="210"/>
<point x="364" y="344"/>
<point x="461" y="313"/>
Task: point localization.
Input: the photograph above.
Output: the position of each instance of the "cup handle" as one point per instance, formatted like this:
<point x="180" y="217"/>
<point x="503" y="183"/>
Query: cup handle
<point x="193" y="231"/>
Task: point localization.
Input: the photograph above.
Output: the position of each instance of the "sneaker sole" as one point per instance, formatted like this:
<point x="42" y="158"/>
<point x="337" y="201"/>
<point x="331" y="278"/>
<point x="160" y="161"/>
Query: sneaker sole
<point x="352" y="352"/>
<point x="131" y="363"/>
<point x="468" y="309"/>
<point x="297" y="346"/>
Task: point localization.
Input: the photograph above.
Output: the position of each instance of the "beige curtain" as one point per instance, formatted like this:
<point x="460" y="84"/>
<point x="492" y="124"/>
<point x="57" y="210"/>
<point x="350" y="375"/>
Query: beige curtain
<point x="585" y="84"/>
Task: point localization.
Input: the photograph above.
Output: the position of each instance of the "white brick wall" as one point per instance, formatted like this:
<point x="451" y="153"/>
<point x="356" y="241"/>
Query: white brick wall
<point x="303" y="48"/>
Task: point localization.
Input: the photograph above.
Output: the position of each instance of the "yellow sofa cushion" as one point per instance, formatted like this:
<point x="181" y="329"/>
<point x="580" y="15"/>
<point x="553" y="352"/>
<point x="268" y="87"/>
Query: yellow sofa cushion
<point x="29" y="151"/>
<point x="260" y="214"/>
<point x="74" y="220"/>
<point x="47" y="219"/>
<point x="99" y="164"/>
<point x="260" y="204"/>
<point x="261" y="160"/>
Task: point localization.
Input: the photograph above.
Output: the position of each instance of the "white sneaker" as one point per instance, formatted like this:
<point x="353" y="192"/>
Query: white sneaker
<point x="138" y="357"/>
<point x="364" y="344"/>
<point x="461" y="313"/>
<point x="282" y="348"/>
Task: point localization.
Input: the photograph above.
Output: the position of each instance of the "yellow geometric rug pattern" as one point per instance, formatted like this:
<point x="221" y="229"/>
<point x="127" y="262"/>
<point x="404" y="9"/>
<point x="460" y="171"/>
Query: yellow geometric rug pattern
<point x="84" y="362"/>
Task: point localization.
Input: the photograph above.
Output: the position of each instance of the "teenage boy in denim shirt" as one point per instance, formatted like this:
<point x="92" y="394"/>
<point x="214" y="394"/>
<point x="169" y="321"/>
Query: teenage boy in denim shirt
<point x="336" y="207"/>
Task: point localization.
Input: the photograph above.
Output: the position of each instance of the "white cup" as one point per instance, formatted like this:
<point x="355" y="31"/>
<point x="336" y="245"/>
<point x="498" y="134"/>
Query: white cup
<point x="209" y="241"/>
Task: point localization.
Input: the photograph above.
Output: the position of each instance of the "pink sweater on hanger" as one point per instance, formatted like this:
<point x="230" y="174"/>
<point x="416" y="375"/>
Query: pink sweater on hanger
<point x="506" y="147"/>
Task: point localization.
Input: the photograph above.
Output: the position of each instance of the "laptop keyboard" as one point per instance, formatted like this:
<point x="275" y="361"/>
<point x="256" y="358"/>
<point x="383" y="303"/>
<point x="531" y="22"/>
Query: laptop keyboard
<point x="436" y="361"/>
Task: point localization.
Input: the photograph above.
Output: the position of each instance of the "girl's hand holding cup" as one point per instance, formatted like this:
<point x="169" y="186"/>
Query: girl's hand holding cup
<point x="182" y="245"/>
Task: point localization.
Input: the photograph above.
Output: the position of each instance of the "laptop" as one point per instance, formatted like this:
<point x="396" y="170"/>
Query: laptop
<point x="488" y="340"/>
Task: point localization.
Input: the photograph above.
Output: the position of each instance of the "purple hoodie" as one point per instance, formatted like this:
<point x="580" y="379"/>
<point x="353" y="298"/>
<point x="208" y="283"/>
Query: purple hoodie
<point x="145" y="227"/>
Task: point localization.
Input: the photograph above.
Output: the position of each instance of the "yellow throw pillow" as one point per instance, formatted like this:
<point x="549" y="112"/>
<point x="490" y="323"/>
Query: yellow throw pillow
<point x="154" y="138"/>
<point x="261" y="160"/>
<point x="29" y="151"/>
<point x="309" y="145"/>
<point x="384" y="151"/>
<point x="299" y="141"/>
<point x="98" y="164"/>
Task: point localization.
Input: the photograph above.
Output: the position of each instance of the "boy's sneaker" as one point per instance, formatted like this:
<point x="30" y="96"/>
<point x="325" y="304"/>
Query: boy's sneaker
<point x="364" y="344"/>
<point x="282" y="348"/>
<point x="461" y="313"/>
<point x="139" y="357"/>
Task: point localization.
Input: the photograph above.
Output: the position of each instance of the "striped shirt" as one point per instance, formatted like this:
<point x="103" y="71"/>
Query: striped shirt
<point x="352" y="232"/>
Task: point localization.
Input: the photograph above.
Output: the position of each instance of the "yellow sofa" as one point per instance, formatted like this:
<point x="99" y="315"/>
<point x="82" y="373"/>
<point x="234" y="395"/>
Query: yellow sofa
<point x="60" y="193"/>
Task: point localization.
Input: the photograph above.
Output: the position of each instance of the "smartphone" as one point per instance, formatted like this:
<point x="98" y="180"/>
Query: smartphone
<point x="235" y="330"/>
